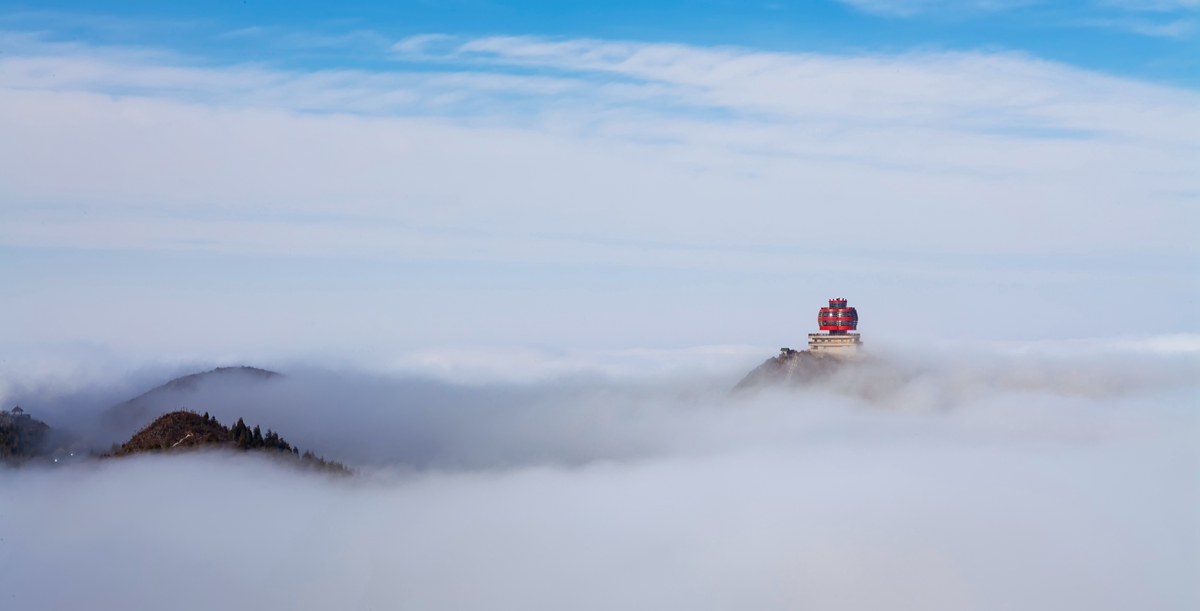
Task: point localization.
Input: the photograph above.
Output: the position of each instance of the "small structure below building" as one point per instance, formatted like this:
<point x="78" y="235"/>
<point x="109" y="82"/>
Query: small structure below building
<point x="837" y="345"/>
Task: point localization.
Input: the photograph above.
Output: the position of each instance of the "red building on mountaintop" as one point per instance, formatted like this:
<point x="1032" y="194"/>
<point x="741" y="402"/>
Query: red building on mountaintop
<point x="839" y="320"/>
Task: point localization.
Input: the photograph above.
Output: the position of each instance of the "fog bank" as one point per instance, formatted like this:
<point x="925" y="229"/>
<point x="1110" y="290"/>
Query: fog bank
<point x="461" y="416"/>
<point x="976" y="479"/>
<point x="894" y="520"/>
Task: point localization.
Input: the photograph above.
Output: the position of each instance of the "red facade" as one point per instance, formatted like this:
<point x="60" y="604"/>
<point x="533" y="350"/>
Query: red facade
<point x="837" y="318"/>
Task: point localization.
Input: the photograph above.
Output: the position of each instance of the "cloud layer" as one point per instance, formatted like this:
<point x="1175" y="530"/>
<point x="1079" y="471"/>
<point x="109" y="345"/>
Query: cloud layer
<point x="1025" y="483"/>
<point x="499" y="191"/>
<point x="716" y="150"/>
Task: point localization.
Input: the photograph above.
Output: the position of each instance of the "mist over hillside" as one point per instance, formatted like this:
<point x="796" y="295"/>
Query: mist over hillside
<point x="989" y="478"/>
<point x="415" y="420"/>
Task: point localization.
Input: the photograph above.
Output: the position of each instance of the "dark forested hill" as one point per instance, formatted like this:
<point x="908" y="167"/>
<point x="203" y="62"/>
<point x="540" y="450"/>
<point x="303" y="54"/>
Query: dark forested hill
<point x="22" y="438"/>
<point x="184" y="430"/>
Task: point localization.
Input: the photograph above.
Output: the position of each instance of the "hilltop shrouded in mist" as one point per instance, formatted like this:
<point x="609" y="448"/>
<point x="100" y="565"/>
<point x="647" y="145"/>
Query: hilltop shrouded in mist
<point x="978" y="479"/>
<point x="414" y="420"/>
<point x="136" y="410"/>
<point x="21" y="436"/>
<point x="183" y="431"/>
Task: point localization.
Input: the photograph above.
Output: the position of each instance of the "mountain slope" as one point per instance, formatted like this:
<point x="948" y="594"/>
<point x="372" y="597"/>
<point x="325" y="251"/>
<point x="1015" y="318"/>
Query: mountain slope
<point x="172" y="395"/>
<point x="183" y="430"/>
<point x="792" y="367"/>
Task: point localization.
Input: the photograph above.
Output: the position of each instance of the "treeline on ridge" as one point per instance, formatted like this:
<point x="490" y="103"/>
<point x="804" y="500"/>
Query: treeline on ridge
<point x="185" y="429"/>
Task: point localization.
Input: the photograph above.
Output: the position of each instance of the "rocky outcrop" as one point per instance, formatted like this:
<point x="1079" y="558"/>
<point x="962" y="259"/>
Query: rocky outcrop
<point x="863" y="376"/>
<point x="792" y="367"/>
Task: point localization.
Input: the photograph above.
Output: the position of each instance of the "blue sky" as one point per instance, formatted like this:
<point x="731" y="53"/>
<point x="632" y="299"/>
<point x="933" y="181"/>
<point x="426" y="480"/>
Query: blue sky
<point x="1153" y="39"/>
<point x="358" y="179"/>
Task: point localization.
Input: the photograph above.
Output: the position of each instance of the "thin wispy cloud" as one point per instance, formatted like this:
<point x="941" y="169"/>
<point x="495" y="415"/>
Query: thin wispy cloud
<point x="955" y="167"/>
<point x="751" y="113"/>
<point x="1153" y="5"/>
<point x="1173" y="19"/>
<point x="1178" y="28"/>
<point x="912" y="8"/>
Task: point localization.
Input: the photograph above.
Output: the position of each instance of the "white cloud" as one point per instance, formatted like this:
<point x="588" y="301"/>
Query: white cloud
<point x="895" y="176"/>
<point x="668" y="494"/>
<point x="911" y="8"/>
<point x="1153" y="5"/>
<point x="421" y="43"/>
<point x="1177" y="28"/>
<point x="472" y="408"/>
<point x="842" y="527"/>
<point x="714" y="148"/>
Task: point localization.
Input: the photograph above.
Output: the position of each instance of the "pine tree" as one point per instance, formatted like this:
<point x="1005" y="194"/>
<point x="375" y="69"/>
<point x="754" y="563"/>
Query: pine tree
<point x="240" y="434"/>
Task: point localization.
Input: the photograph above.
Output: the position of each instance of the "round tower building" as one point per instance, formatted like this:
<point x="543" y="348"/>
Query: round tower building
<point x="839" y="320"/>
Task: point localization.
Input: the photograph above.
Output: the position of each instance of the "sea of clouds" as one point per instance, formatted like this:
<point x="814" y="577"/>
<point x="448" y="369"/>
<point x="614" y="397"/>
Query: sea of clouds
<point x="599" y="193"/>
<point x="1037" y="476"/>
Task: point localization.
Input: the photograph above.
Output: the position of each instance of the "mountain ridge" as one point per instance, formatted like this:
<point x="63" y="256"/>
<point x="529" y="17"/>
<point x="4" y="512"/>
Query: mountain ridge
<point x="184" y="430"/>
<point x="124" y="415"/>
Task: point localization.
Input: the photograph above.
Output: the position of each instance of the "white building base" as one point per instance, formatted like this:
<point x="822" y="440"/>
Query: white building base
<point x="846" y="344"/>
